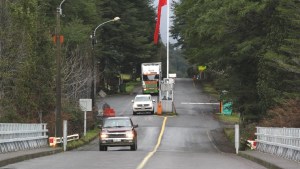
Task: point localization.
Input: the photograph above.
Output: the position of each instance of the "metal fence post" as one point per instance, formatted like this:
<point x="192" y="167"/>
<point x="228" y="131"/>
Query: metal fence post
<point x="65" y="123"/>
<point x="237" y="138"/>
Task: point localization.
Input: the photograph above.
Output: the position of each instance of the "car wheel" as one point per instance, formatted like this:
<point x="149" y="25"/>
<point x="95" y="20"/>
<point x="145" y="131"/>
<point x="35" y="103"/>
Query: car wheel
<point x="102" y="148"/>
<point x="134" y="113"/>
<point x="134" y="146"/>
<point x="152" y="112"/>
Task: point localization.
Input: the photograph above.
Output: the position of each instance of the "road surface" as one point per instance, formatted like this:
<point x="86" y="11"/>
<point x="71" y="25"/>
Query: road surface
<point x="178" y="142"/>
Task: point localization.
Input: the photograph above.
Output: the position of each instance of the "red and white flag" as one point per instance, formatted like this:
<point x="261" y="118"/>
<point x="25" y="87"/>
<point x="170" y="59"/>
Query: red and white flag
<point x="161" y="3"/>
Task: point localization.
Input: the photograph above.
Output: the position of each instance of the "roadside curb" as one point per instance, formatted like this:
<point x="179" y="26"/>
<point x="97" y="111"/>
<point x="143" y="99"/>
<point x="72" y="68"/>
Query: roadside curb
<point x="259" y="161"/>
<point x="221" y="141"/>
<point x="29" y="156"/>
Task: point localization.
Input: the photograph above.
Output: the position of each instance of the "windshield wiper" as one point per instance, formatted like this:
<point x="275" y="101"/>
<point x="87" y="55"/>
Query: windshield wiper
<point x="108" y="126"/>
<point x="120" y="126"/>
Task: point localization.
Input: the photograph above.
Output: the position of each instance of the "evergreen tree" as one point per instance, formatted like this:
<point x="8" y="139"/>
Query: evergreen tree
<point x="128" y="42"/>
<point x="247" y="45"/>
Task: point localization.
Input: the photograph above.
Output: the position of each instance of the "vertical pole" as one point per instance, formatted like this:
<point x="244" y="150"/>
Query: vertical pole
<point x="58" y="128"/>
<point x="168" y="38"/>
<point x="237" y="138"/>
<point x="93" y="71"/>
<point x="95" y="80"/>
<point x="45" y="129"/>
<point x="84" y="133"/>
<point x="65" y="134"/>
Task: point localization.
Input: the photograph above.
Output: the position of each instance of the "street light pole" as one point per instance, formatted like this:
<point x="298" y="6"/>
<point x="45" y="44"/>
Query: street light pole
<point x="94" y="41"/>
<point x="58" y="120"/>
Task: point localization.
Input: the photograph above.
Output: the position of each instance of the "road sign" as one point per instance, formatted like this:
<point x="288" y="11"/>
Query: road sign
<point x="227" y="108"/>
<point x="201" y="68"/>
<point x="166" y="87"/>
<point x="102" y="93"/>
<point x="85" y="104"/>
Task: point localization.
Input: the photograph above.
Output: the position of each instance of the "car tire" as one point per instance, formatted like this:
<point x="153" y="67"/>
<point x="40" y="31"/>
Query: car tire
<point x="102" y="148"/>
<point x="134" y="146"/>
<point x="152" y="112"/>
<point x="134" y="113"/>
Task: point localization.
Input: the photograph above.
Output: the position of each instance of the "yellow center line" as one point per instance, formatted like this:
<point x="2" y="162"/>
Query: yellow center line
<point x="150" y="154"/>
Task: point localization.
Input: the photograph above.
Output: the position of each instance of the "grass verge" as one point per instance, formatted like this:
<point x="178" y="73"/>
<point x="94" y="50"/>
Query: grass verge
<point x="229" y="133"/>
<point x="90" y="135"/>
<point x="231" y="120"/>
<point x="208" y="88"/>
<point x="131" y="85"/>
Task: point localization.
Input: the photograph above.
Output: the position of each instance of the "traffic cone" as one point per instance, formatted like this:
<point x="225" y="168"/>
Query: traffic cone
<point x="159" y="108"/>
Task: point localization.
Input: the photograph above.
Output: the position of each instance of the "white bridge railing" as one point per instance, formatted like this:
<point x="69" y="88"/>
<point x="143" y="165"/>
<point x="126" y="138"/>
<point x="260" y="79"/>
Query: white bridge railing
<point x="283" y="142"/>
<point x="18" y="136"/>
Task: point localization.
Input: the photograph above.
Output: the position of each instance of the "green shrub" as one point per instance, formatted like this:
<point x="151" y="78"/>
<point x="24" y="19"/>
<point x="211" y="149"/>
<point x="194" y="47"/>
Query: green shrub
<point x="90" y="136"/>
<point x="11" y="117"/>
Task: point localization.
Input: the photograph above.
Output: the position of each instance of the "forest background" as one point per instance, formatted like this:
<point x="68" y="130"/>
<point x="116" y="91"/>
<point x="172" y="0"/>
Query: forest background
<point x="250" y="47"/>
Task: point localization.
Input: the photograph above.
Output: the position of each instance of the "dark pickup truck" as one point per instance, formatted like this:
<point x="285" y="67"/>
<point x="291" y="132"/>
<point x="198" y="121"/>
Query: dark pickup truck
<point x="117" y="131"/>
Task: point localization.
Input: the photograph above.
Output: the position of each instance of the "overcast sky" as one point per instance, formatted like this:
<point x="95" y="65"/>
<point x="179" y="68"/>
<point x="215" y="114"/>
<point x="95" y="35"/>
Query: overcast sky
<point x="163" y="21"/>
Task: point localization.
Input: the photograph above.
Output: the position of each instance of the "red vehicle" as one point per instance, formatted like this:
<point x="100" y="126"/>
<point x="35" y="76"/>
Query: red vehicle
<point x="117" y="131"/>
<point x="109" y="112"/>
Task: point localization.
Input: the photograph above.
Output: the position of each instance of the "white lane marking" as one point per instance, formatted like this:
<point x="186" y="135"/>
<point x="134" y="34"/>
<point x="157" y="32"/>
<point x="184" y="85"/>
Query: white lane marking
<point x="200" y="103"/>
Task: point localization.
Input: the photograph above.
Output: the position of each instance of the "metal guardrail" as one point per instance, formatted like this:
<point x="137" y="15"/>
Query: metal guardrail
<point x="283" y="142"/>
<point x="19" y="136"/>
<point x="57" y="140"/>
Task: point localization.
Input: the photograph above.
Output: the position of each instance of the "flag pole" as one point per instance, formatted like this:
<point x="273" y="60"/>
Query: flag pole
<point x="168" y="30"/>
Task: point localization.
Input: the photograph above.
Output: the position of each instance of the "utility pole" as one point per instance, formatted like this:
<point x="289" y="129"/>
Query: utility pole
<point x="58" y="119"/>
<point x="94" y="80"/>
<point x="94" y="69"/>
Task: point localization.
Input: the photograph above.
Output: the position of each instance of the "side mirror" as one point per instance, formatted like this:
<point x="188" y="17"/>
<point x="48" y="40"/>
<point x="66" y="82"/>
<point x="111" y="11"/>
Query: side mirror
<point x="132" y="101"/>
<point x="153" y="101"/>
<point x="135" y="126"/>
<point x="99" y="126"/>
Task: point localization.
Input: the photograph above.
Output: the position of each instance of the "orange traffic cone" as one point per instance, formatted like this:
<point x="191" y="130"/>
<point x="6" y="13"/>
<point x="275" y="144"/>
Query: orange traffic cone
<point x="159" y="108"/>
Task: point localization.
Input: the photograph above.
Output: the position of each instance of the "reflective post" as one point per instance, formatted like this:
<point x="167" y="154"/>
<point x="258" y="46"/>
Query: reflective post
<point x="84" y="133"/>
<point x="237" y="138"/>
<point x="65" y="124"/>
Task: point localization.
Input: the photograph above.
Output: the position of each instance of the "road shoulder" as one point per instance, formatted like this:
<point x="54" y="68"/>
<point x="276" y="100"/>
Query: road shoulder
<point x="14" y="157"/>
<point x="269" y="160"/>
<point x="221" y="141"/>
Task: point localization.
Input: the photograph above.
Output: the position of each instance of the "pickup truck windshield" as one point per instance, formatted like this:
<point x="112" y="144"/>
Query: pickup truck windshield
<point x="110" y="123"/>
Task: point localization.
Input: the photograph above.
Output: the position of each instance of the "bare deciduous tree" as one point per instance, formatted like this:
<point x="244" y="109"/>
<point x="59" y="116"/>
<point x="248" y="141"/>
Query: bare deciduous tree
<point x="77" y="71"/>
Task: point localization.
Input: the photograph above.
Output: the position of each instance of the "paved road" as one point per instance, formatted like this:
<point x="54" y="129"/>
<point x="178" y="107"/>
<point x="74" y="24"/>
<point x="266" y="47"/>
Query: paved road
<point x="178" y="142"/>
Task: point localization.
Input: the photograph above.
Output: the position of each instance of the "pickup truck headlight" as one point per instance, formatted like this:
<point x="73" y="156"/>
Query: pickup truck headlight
<point x="129" y="134"/>
<point x="103" y="135"/>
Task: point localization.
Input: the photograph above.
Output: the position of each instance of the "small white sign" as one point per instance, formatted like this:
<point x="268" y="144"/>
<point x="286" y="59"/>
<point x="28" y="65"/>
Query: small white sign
<point x="172" y="75"/>
<point x="85" y="104"/>
<point x="102" y="93"/>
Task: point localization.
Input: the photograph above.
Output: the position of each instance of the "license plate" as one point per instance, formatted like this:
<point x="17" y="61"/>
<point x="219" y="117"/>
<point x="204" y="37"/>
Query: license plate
<point x="117" y="140"/>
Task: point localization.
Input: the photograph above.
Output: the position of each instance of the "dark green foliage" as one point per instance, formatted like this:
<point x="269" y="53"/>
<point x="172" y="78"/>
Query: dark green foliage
<point x="251" y="48"/>
<point x="11" y="117"/>
<point x="177" y="64"/>
<point x="28" y="86"/>
<point x="124" y="44"/>
<point x="28" y="55"/>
